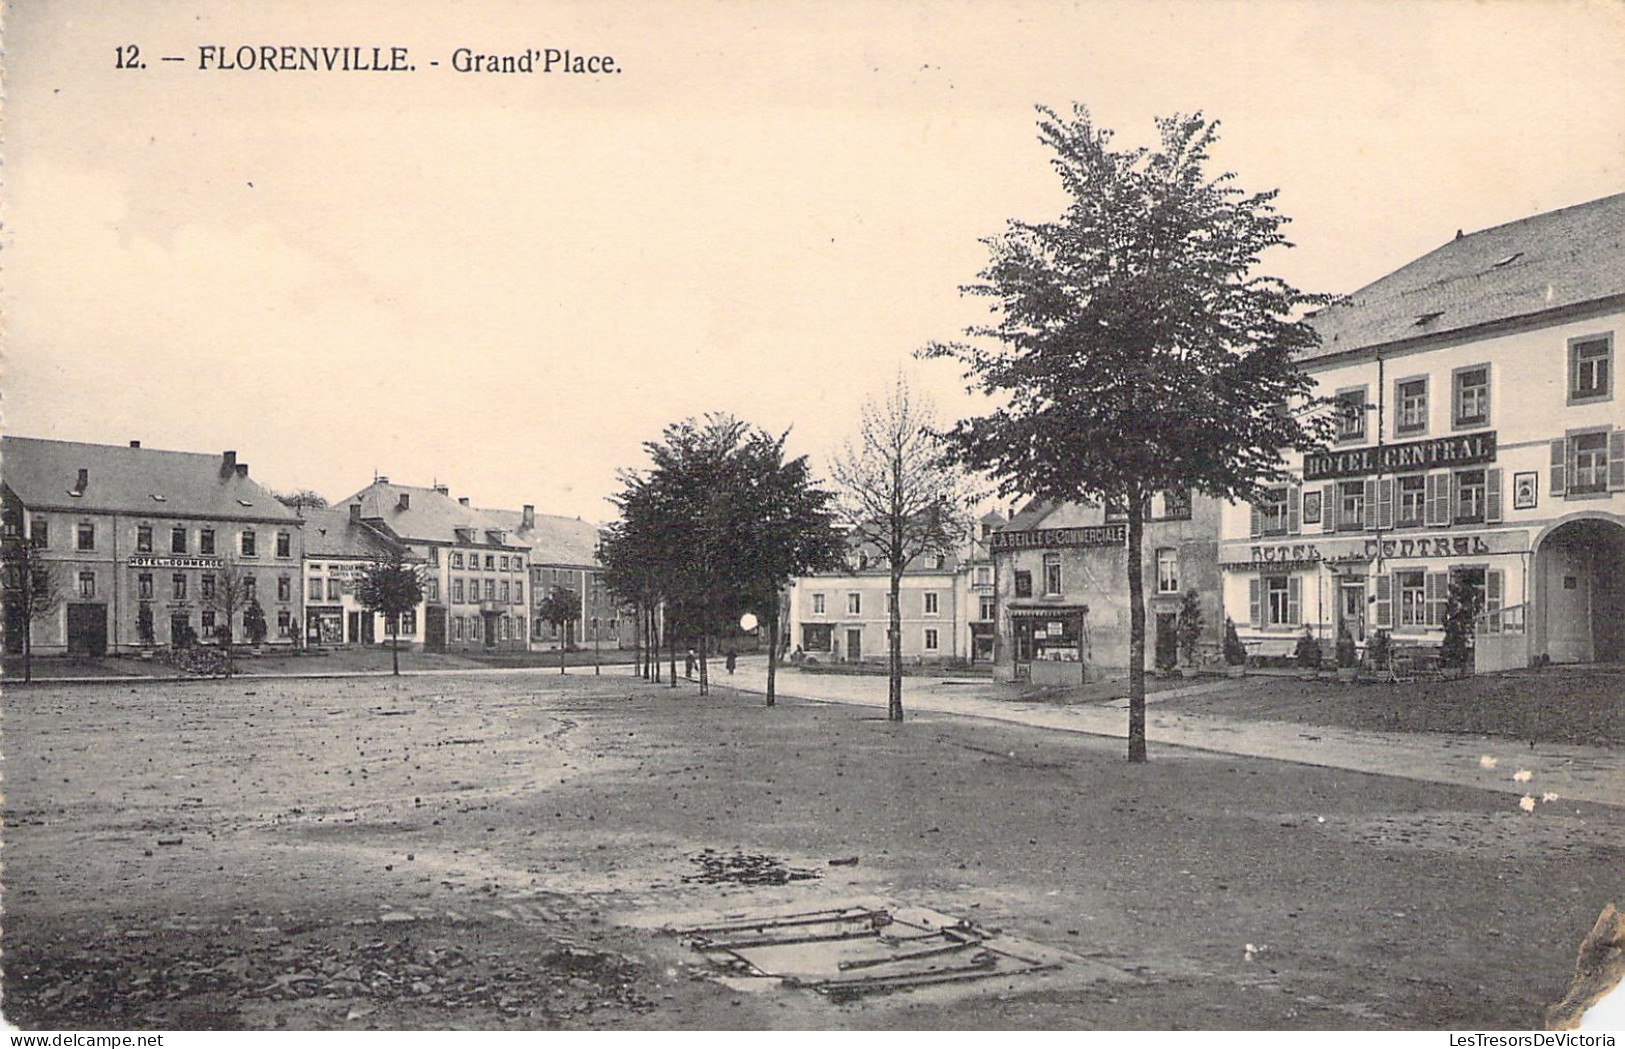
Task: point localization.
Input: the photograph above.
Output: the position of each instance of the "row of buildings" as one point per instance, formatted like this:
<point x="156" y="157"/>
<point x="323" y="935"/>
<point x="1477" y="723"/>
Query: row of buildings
<point x="1481" y="439"/>
<point x="127" y="528"/>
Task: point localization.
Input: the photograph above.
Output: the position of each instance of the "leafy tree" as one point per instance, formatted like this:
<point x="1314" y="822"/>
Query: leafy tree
<point x="254" y="624"/>
<point x="301" y="499"/>
<point x="1463" y="602"/>
<point x="32" y="586"/>
<point x="1235" y="653"/>
<point x="391" y="585"/>
<point x="1189" y="626"/>
<point x="1133" y="349"/>
<point x="1307" y="652"/>
<point x="900" y="500"/>
<point x="227" y="592"/>
<point x="561" y="607"/>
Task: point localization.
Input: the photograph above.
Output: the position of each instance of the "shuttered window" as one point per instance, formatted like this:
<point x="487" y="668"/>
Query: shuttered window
<point x="1438" y="592"/>
<point x="1492" y="496"/>
<point x="1438" y="499"/>
<point x="1385" y="602"/>
<point x="1560" y="462"/>
<point x="1385" y="503"/>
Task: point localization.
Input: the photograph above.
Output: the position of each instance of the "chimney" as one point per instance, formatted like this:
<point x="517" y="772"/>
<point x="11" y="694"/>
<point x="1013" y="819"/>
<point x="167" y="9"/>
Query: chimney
<point x="406" y="501"/>
<point x="84" y="480"/>
<point x="228" y="463"/>
<point x="462" y="501"/>
<point x="380" y="479"/>
<point x="355" y="513"/>
<point x="135" y="444"/>
<point x="442" y="489"/>
<point x="528" y="517"/>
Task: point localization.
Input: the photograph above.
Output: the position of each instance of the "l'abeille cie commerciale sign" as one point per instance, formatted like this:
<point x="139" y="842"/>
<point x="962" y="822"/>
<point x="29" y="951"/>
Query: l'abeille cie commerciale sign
<point x="1050" y="538"/>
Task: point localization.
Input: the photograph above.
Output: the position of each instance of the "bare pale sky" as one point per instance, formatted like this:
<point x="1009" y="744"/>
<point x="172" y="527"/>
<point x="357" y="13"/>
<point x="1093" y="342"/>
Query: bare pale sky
<point x="506" y="283"/>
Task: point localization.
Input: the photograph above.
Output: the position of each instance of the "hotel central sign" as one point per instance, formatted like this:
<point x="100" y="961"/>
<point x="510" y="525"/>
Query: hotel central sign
<point x="1049" y="538"/>
<point x="1464" y="450"/>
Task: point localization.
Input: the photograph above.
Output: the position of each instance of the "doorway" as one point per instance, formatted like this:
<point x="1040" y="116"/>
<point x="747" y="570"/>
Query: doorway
<point x="1351" y="606"/>
<point x="854" y="645"/>
<point x="87" y="630"/>
<point x="1580" y="592"/>
<point x="1167" y="650"/>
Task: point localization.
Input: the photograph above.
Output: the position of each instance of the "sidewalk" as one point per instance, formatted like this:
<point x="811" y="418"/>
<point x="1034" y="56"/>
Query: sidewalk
<point x="1577" y="773"/>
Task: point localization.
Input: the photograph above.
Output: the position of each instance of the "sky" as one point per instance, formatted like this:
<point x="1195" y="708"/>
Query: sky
<point x="506" y="283"/>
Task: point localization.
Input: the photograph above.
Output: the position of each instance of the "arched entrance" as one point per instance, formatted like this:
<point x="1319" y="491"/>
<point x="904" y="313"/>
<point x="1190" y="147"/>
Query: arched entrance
<point x="1579" y="590"/>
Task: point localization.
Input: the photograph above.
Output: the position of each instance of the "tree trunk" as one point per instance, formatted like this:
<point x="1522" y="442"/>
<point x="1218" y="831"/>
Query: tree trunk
<point x="894" y="645"/>
<point x="395" y="645"/>
<point x="28" y="645"/>
<point x="772" y="650"/>
<point x="705" y="654"/>
<point x="671" y="646"/>
<point x="1136" y="630"/>
<point x="564" y="634"/>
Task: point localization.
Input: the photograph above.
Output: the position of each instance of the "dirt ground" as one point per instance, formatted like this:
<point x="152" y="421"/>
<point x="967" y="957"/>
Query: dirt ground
<point x="491" y="852"/>
<point x="1579" y="704"/>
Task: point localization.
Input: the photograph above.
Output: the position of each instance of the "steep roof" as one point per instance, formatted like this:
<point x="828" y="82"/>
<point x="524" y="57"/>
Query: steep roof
<point x="139" y="481"/>
<point x="430" y="516"/>
<point x="553" y="540"/>
<point x="1545" y="262"/>
<point x="331" y="533"/>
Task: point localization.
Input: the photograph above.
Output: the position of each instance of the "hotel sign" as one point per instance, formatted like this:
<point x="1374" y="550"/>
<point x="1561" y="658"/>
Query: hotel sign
<point x="1049" y="538"/>
<point x="1361" y="550"/>
<point x="1396" y="458"/>
<point x="174" y="562"/>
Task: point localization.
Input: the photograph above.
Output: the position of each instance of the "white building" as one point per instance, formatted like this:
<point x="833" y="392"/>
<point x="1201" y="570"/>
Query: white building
<point x="1483" y="441"/>
<point x="339" y="547"/>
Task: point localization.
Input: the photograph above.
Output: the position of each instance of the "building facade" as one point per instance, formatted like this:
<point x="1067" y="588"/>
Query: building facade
<point x="1480" y="440"/>
<point x="127" y="527"/>
<point x="1061" y="578"/>
<point x="339" y="547"/>
<point x="564" y="553"/>
<point x="477" y="574"/>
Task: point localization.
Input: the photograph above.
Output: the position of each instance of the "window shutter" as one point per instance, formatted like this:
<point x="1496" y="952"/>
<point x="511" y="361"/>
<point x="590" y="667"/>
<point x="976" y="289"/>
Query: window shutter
<point x="1431" y="501"/>
<point x="1436" y="587"/>
<point x="1385" y="503"/>
<point x="1492" y="496"/>
<point x="1294" y="510"/>
<point x="1454" y="510"/>
<point x="1255" y="607"/>
<point x="1560" y="459"/>
<point x="1494" y="597"/>
<point x="1616" y="461"/>
<point x="1294" y="600"/>
<point x="1385" y="601"/>
<point x="1258" y="522"/>
<point x="1329" y="508"/>
<point x="1370" y="505"/>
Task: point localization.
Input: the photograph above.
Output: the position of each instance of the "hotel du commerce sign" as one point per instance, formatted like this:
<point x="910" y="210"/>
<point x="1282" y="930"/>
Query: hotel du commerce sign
<point x="1360" y="550"/>
<point x="1463" y="450"/>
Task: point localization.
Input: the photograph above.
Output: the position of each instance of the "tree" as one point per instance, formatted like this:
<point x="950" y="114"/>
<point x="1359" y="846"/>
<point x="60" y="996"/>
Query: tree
<point x="900" y="500"/>
<point x="391" y="585"/>
<point x="32" y="587"/>
<point x="254" y="624"/>
<point x="228" y="591"/>
<point x="144" y="629"/>
<point x="1133" y="349"/>
<point x="1189" y="626"/>
<point x="561" y="607"/>
<point x="300" y="499"/>
<point x="1463" y="603"/>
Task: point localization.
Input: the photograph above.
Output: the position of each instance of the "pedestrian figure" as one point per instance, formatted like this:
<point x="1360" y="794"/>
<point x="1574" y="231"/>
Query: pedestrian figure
<point x="688" y="664"/>
<point x="733" y="659"/>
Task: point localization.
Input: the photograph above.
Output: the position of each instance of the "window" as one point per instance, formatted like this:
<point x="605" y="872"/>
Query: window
<point x="205" y="541"/>
<point x="1272" y="512"/>
<point x="457" y="591"/>
<point x="284" y="544"/>
<point x="614" y="625"/>
<point x="1590" y="463"/>
<point x="284" y="588"/>
<point x="490" y="562"/>
<point x="143" y="586"/>
<point x="456" y="560"/>
<point x="1470" y="497"/>
<point x="1412" y="588"/>
<point x="143" y="539"/>
<point x="930" y="640"/>
<point x="251" y="588"/>
<point x="1590" y="369"/>
<point x="250" y="543"/>
<point x="504" y="564"/>
<point x="409" y="621"/>
<point x="178" y="581"/>
<point x="1024" y="584"/>
<point x="1278" y="601"/>
<point x="1351" y="413"/>
<point x="1176" y="504"/>
<point x="988" y="607"/>
<point x="1411" y="406"/>
<point x="1350" y="506"/>
<point x="87" y="584"/>
<point x="942" y="561"/>
<point x="1412" y="500"/>
<point x="854" y="604"/>
<point x="41" y="531"/>
<point x="1471" y="396"/>
<point x="490" y="589"/>
<point x="206" y="587"/>
<point x="206" y="618"/>
<point x="431" y="590"/>
<point x="284" y="623"/>
<point x="85" y="537"/>
<point x="984" y="575"/>
<point x="1052" y="574"/>
<point x="931" y="603"/>
<point x="818" y="604"/>
<point x="457" y="628"/>
<point x="518" y="591"/>
<point x="313" y="589"/>
<point x="506" y="593"/>
<point x="335" y="589"/>
<point x="1167" y="571"/>
<point x="177" y="539"/>
<point x="474" y="628"/>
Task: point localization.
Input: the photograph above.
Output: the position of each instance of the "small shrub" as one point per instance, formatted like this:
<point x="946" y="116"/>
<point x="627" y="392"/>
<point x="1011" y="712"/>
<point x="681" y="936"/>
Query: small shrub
<point x="1307" y="654"/>
<point x="1189" y="628"/>
<point x="1347" y="653"/>
<point x="1461" y="608"/>
<point x="1235" y="653"/>
<point x="1379" y="650"/>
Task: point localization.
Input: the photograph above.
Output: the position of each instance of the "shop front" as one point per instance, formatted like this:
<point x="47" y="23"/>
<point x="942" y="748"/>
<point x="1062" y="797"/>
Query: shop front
<point x="1049" y="643"/>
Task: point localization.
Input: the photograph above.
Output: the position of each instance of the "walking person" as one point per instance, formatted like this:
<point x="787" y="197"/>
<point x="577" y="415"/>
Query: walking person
<point x="733" y="660"/>
<point x="688" y="664"/>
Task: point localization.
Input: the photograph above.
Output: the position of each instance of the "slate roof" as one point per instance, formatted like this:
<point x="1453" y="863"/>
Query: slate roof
<point x="1545" y="262"/>
<point x="125" y="480"/>
<point x="431" y="516"/>
<point x="331" y="533"/>
<point x="553" y="540"/>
